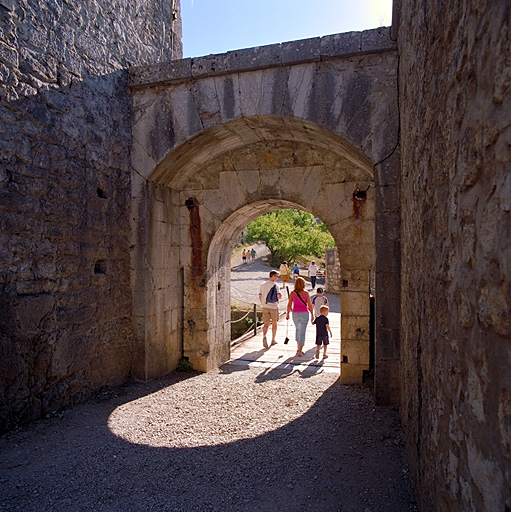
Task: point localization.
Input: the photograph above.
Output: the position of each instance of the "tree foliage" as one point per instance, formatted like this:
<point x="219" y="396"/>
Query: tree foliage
<point x="290" y="235"/>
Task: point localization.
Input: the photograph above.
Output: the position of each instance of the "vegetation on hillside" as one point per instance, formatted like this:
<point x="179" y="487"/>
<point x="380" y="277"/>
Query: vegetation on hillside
<point x="290" y="235"/>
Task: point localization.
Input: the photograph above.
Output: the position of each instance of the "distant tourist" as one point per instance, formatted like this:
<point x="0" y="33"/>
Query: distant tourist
<point x="269" y="296"/>
<point x="322" y="331"/>
<point x="244" y="256"/>
<point x="296" y="271"/>
<point x="300" y="303"/>
<point x="284" y="273"/>
<point x="312" y="273"/>
<point x="253" y="254"/>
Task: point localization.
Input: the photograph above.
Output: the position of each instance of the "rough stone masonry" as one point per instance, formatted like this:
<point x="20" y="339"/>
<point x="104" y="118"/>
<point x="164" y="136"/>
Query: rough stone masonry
<point x="66" y="202"/>
<point x="65" y="294"/>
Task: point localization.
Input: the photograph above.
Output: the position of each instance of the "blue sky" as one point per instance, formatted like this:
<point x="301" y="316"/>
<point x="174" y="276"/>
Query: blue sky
<point x="217" y="26"/>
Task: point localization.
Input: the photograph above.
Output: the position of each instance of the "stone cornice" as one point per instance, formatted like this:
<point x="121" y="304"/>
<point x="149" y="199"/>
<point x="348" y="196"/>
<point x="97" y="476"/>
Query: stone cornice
<point x="336" y="46"/>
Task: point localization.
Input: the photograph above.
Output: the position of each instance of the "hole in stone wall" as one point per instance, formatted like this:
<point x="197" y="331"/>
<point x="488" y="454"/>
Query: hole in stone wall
<point x="360" y="194"/>
<point x="345" y="283"/>
<point x="101" y="193"/>
<point x="100" y="267"/>
<point x="219" y="285"/>
<point x="345" y="359"/>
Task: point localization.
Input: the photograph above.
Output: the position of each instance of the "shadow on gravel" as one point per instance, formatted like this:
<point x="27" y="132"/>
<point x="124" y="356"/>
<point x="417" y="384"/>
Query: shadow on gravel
<point x="284" y="369"/>
<point x="324" y="460"/>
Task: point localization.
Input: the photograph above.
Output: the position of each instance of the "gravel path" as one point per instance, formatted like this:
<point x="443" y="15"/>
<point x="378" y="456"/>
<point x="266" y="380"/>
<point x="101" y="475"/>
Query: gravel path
<point x="236" y="439"/>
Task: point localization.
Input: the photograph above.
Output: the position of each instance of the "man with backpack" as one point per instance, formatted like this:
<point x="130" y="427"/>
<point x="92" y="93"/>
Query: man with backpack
<point x="269" y="296"/>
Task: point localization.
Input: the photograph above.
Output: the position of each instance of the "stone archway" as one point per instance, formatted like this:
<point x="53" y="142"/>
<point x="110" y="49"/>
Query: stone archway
<point x="207" y="190"/>
<point x="337" y="93"/>
<point x="355" y="300"/>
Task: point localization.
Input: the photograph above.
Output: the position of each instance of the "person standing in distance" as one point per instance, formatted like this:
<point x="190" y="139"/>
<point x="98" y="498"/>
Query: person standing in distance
<point x="269" y="296"/>
<point x="312" y="273"/>
<point x="284" y="273"/>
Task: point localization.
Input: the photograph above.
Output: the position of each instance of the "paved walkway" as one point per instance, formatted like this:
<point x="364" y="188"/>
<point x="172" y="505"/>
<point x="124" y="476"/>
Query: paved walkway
<point x="245" y="282"/>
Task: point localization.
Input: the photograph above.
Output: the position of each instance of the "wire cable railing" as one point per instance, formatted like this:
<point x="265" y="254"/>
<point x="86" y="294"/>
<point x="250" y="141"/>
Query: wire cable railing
<point x="252" y="330"/>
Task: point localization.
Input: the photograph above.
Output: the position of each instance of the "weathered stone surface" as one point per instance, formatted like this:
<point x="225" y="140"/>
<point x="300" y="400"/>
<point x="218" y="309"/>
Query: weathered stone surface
<point x="65" y="292"/>
<point x="270" y="56"/>
<point x="456" y="251"/>
<point x="305" y="50"/>
<point x="233" y="187"/>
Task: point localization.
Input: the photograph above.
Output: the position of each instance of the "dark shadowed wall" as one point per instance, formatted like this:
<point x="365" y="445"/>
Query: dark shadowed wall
<point x="455" y="105"/>
<point x="65" y="126"/>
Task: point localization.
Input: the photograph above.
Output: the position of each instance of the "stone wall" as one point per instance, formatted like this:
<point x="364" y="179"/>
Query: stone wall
<point x="455" y="104"/>
<point x="65" y="296"/>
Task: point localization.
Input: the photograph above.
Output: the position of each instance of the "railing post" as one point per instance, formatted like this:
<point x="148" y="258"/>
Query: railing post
<point x="255" y="320"/>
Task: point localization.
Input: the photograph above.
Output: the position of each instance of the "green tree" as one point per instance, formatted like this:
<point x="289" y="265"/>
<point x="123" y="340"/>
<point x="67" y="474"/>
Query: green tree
<point x="290" y="235"/>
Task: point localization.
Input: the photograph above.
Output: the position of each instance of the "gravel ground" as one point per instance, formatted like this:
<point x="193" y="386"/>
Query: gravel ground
<point x="236" y="439"/>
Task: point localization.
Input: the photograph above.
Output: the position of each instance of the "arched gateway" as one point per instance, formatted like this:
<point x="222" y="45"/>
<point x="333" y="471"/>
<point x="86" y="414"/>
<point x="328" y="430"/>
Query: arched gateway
<point x="221" y="140"/>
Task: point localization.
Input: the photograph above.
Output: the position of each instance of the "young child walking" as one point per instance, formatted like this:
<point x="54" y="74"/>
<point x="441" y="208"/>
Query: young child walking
<point x="322" y="331"/>
<point x="319" y="300"/>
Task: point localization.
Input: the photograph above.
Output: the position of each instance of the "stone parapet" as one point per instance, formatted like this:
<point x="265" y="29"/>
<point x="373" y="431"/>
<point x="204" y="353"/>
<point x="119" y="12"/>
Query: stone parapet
<point x="316" y="49"/>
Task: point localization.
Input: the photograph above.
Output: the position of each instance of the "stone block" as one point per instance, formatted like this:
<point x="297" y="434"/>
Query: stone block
<point x="161" y="73"/>
<point x="300" y="82"/>
<point x="387" y="377"/>
<point x="249" y="181"/>
<point x="159" y="356"/>
<point x="228" y="96"/>
<point x="387" y="343"/>
<point x="388" y="256"/>
<point x="388" y="303"/>
<point x="388" y="172"/>
<point x="354" y="280"/>
<point x="388" y="226"/>
<point x="208" y="65"/>
<point x="198" y="361"/>
<point x="355" y="328"/>
<point x="305" y="50"/>
<point x="356" y="232"/>
<point x="355" y="352"/>
<point x="377" y="40"/>
<point x="251" y="91"/>
<point x="352" y="373"/>
<point x="259" y="57"/>
<point x="355" y="303"/>
<point x="359" y="255"/>
<point x="339" y="45"/>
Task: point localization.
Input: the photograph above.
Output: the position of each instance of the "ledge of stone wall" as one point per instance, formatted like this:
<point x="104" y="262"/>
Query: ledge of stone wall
<point x="260" y="57"/>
